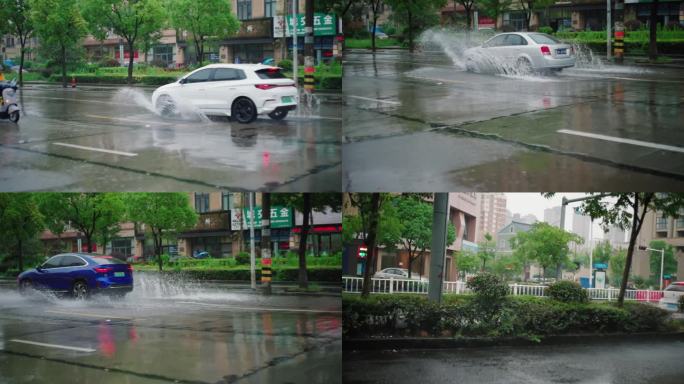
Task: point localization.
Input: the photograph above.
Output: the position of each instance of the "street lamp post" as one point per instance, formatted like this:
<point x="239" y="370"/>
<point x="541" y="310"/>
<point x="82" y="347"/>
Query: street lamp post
<point x="662" y="261"/>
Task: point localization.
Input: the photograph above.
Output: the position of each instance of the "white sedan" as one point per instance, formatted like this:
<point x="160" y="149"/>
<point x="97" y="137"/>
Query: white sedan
<point x="397" y="273"/>
<point x="520" y="52"/>
<point x="242" y="91"/>
<point x="671" y="295"/>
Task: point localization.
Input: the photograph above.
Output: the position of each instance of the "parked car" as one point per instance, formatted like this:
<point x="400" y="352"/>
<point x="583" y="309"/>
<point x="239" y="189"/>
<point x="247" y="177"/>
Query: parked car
<point x="524" y="52"/>
<point x="671" y="296"/>
<point x="397" y="273"/>
<point x="80" y="275"/>
<point x="241" y="91"/>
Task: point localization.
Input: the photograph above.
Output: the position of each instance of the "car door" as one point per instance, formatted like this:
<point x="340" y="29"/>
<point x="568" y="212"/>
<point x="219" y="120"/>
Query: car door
<point x="493" y="51"/>
<point x="224" y="86"/>
<point x="193" y="89"/>
<point x="48" y="273"/>
<point x="515" y="45"/>
<point x="71" y="268"/>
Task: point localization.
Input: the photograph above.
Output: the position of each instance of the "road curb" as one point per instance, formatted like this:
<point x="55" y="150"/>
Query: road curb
<point x="449" y="343"/>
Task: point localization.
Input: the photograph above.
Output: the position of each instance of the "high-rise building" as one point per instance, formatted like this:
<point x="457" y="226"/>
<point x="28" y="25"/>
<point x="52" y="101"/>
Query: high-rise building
<point x="492" y="214"/>
<point x="552" y="216"/>
<point x="527" y="219"/>
<point x="659" y="227"/>
<point x="581" y="226"/>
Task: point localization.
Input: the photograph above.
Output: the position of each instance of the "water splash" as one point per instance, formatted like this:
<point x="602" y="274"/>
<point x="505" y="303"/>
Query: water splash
<point x="138" y="97"/>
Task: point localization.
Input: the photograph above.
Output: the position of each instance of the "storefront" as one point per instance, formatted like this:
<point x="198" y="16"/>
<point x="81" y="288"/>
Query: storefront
<point x="281" y="226"/>
<point x="325" y="32"/>
<point x="252" y="44"/>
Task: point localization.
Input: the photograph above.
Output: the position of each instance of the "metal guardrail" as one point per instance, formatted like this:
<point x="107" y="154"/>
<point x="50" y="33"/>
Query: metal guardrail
<point x="353" y="284"/>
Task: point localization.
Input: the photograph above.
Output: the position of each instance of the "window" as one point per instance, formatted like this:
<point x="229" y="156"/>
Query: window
<point x="224" y="74"/>
<point x="122" y="248"/>
<point x="270" y="8"/>
<point x="515" y="40"/>
<point x="661" y="222"/>
<point x="53" y="262"/>
<point x="244" y="9"/>
<point x="226" y="201"/>
<point x="71" y="261"/>
<point x="496" y="41"/>
<point x="199" y="76"/>
<point x="270" y="73"/>
<point x="201" y="202"/>
<point x="542" y="38"/>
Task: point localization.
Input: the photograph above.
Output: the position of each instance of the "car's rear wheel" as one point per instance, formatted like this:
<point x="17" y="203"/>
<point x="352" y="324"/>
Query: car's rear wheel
<point x="278" y="114"/>
<point x="244" y="111"/>
<point x="166" y="106"/>
<point x="14" y="117"/>
<point x="524" y="66"/>
<point x="80" y="290"/>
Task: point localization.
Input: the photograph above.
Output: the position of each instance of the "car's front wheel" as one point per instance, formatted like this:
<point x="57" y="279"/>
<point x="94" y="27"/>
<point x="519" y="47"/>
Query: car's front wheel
<point x="166" y="107"/>
<point x="244" y="111"/>
<point x="524" y="66"/>
<point x="80" y="290"/>
<point x="25" y="286"/>
<point x="278" y="114"/>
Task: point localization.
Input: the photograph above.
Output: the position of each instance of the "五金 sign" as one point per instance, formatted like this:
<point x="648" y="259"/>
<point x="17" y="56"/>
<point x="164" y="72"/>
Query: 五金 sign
<point x="324" y="25"/>
<point x="281" y="217"/>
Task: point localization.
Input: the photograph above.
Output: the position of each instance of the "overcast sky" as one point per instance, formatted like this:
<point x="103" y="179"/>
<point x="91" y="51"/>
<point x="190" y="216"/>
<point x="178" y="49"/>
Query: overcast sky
<point x="535" y="203"/>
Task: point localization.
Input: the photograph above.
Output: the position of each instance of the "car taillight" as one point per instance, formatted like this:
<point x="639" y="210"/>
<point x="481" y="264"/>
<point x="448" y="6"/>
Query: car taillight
<point x="545" y="50"/>
<point x="130" y="268"/>
<point x="265" y="86"/>
<point x="102" y="270"/>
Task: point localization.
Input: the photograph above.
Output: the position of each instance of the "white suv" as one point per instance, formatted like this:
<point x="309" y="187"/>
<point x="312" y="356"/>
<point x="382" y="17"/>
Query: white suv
<point x="671" y="296"/>
<point x="242" y="91"/>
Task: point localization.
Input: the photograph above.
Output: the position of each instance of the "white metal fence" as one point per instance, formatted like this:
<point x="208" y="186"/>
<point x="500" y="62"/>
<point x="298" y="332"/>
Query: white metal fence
<point x="353" y="284"/>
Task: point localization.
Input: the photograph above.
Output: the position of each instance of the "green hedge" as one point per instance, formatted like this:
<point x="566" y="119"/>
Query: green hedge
<point x="87" y="78"/>
<point x="413" y="315"/>
<point x="321" y="274"/>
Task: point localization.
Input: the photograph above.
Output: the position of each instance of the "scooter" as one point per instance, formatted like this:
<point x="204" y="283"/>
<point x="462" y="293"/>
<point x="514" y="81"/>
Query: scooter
<point x="8" y="101"/>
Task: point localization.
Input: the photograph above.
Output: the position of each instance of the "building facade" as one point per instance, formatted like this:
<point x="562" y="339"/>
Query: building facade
<point x="492" y="214"/>
<point x="658" y="227"/>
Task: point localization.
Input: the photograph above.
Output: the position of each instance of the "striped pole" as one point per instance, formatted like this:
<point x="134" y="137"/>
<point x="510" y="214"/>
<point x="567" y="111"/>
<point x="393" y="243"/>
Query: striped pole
<point x="619" y="45"/>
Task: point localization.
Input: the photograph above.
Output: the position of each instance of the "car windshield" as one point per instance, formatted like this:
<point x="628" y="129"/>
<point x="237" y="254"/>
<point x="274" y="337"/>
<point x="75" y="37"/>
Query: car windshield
<point x="542" y="38"/>
<point x="107" y="260"/>
<point x="270" y="73"/>
<point x="675" y="287"/>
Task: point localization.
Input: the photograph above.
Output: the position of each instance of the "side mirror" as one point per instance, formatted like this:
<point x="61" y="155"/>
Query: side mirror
<point x="183" y="81"/>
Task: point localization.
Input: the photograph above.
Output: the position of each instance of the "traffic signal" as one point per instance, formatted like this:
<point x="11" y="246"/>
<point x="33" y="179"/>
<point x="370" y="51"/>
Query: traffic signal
<point x="362" y="253"/>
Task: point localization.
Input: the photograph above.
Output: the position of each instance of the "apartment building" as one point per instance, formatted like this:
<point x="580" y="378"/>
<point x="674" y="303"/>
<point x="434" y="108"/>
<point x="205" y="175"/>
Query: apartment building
<point x="492" y="214"/>
<point x="658" y="227"/>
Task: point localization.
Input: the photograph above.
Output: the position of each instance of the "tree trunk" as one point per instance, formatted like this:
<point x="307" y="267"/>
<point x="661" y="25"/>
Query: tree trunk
<point x="653" y="32"/>
<point x="89" y="239"/>
<point x="375" y="23"/>
<point x="157" y="248"/>
<point x="130" y="62"/>
<point x="64" y="73"/>
<point x="21" y="62"/>
<point x="306" y="212"/>
<point x="199" y="47"/>
<point x="370" y="242"/>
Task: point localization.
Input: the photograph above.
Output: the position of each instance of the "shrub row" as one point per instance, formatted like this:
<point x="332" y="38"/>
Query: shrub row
<point x="414" y="315"/>
<point x="320" y="274"/>
<point x="87" y="78"/>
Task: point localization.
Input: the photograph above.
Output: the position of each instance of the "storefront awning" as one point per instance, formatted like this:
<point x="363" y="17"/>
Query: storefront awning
<point x="256" y="40"/>
<point x="188" y="235"/>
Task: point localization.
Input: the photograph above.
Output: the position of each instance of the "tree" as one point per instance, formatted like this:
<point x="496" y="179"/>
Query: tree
<point x="375" y="7"/>
<point x="468" y="6"/>
<point x="307" y="203"/>
<point x="602" y="252"/>
<point x="136" y="21"/>
<point x="653" y="31"/>
<point x="486" y="250"/>
<point x="16" y="14"/>
<point x="467" y="262"/>
<point x="547" y="245"/>
<point x="59" y="24"/>
<point x="89" y="213"/>
<point x="530" y="6"/>
<point x="20" y="221"/>
<point x="416" y="228"/>
<point x="616" y="266"/>
<point x="627" y="210"/>
<point x="204" y="20"/>
<point x="507" y="267"/>
<point x="415" y="16"/>
<point x="164" y="215"/>
<point x="494" y="8"/>
<point x="669" y="261"/>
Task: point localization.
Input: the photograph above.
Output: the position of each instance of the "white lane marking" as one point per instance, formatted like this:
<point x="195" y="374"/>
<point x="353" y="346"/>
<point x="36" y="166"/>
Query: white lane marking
<point x="258" y="308"/>
<point x="90" y="315"/>
<point x="624" y="141"/>
<point x="375" y="100"/>
<point x="54" y="345"/>
<point x="129" y="154"/>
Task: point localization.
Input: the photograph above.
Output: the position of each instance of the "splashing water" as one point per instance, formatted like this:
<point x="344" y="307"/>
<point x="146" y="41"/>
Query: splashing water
<point x="453" y="43"/>
<point x="137" y="97"/>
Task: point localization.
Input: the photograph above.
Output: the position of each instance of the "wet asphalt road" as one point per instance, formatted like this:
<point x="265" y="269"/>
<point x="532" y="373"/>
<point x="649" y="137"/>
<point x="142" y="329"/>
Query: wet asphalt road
<point x="182" y="337"/>
<point x="413" y="121"/>
<point x="301" y="153"/>
<point x="636" y="362"/>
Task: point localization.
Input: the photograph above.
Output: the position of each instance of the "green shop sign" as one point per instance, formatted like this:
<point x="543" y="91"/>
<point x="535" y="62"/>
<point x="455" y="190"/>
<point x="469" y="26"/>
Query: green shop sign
<point x="281" y="217"/>
<point x="324" y="25"/>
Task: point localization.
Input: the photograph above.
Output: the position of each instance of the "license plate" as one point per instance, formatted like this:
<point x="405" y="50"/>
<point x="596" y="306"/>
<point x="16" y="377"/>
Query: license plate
<point x="119" y="274"/>
<point x="288" y="99"/>
<point x="562" y="51"/>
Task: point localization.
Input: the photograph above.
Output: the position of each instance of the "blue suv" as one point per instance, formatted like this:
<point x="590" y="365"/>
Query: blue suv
<point x="79" y="274"/>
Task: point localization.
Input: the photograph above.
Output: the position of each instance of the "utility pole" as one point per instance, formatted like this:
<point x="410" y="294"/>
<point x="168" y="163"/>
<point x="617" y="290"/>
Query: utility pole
<point x="662" y="261"/>
<point x="295" y="48"/>
<point x="252" y="256"/>
<point x="440" y="215"/>
<point x="619" y="46"/>
<point x="309" y="50"/>
<point x="266" y="242"/>
<point x="608" y="29"/>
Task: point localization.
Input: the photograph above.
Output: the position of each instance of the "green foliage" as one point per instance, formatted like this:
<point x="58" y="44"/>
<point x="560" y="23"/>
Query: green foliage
<point x="669" y="262"/>
<point x="602" y="252"/>
<point x="20" y="222"/>
<point x="204" y="20"/>
<point x="389" y="226"/>
<point x="243" y="258"/>
<point x="321" y="274"/>
<point x="616" y="266"/>
<point x="489" y="289"/>
<point x="546" y="29"/>
<point x="467" y="262"/>
<point x="545" y="244"/>
<point x="285" y="64"/>
<point x="494" y="8"/>
<point x="486" y="250"/>
<point x="413" y="315"/>
<point x="119" y="79"/>
<point x="414" y="16"/>
<point x="567" y="292"/>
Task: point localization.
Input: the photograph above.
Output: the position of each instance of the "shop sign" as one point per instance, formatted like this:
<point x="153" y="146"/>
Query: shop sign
<point x="325" y="24"/>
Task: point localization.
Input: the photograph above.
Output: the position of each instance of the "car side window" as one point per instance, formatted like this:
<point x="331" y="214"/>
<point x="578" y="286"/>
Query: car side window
<point x="497" y="41"/>
<point x="52" y="262"/>
<point x="71" y="261"/>
<point x="515" y="40"/>
<point x="199" y="76"/>
<point x="227" y="74"/>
